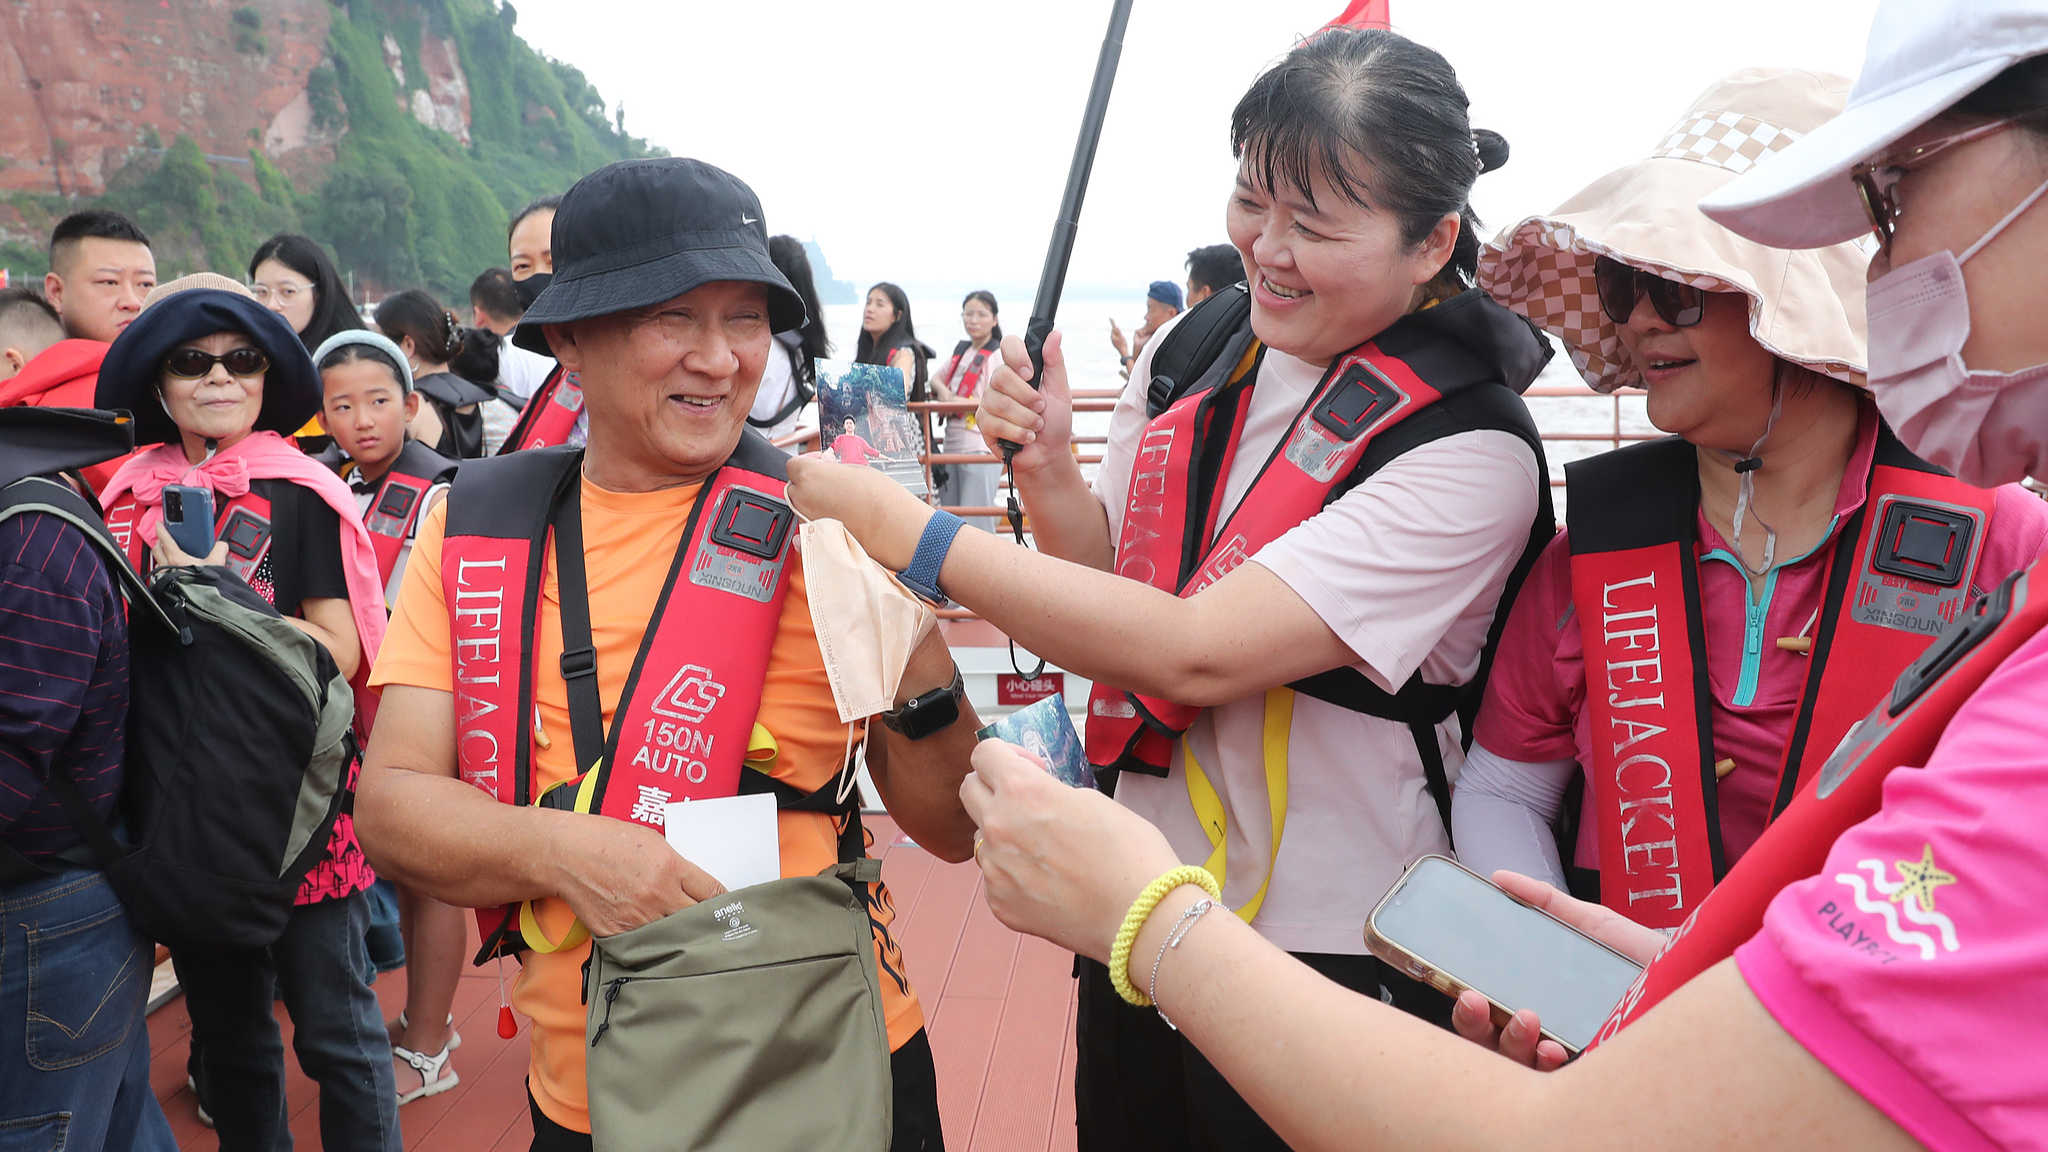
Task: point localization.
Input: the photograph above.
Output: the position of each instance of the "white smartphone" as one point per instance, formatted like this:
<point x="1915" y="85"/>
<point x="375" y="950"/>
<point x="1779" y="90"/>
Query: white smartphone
<point x="1451" y="928"/>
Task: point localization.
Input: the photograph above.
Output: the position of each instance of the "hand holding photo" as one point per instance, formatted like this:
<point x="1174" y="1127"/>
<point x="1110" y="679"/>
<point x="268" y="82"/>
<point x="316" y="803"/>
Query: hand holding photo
<point x="863" y="419"/>
<point x="1046" y="731"/>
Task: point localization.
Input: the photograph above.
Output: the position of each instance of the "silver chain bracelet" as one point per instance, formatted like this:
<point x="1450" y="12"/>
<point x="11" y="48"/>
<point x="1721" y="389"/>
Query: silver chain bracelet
<point x="1174" y="936"/>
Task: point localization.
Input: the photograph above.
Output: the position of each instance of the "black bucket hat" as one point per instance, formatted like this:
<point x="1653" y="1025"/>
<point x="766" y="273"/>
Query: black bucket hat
<point x="128" y="376"/>
<point x="639" y="232"/>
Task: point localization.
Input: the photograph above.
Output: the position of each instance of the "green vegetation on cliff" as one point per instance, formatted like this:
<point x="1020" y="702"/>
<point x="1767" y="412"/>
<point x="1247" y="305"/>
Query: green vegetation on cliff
<point x="403" y="204"/>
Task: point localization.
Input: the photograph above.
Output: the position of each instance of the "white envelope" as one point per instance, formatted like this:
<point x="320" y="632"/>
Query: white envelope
<point x="733" y="838"/>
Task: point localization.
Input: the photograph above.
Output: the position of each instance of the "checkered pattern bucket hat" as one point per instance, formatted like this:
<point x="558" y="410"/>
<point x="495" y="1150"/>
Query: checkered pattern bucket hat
<point x="1806" y="307"/>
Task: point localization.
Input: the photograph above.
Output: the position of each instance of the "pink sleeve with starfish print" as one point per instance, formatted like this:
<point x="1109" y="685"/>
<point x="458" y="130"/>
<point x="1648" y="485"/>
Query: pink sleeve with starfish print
<point x="1915" y="964"/>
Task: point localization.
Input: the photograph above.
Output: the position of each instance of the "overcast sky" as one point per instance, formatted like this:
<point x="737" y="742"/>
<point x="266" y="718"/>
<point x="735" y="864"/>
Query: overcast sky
<point x="927" y="141"/>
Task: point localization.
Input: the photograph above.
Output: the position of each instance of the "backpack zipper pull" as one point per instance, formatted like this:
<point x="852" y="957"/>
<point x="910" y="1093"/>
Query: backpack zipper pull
<point x="611" y="994"/>
<point x="540" y="734"/>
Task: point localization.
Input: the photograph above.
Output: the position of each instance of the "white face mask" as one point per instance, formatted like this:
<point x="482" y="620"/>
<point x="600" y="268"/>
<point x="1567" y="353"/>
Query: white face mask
<point x="867" y="623"/>
<point x="1988" y="428"/>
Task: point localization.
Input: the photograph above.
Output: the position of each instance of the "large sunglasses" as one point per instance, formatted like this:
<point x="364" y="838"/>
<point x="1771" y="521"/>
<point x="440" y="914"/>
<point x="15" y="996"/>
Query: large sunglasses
<point x="1620" y="287"/>
<point x="193" y="364"/>
<point x="1877" y="182"/>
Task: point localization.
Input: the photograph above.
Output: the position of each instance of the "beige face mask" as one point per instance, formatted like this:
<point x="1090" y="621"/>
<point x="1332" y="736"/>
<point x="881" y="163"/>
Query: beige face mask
<point x="867" y="623"/>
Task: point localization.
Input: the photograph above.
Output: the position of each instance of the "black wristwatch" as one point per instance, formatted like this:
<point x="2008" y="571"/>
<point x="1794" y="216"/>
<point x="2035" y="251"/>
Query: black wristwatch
<point x="933" y="712"/>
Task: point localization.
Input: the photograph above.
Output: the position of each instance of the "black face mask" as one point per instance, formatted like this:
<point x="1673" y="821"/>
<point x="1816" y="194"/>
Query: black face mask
<point x="530" y="288"/>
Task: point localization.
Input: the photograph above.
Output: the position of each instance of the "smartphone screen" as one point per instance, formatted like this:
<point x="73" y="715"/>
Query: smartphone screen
<point x="1515" y="955"/>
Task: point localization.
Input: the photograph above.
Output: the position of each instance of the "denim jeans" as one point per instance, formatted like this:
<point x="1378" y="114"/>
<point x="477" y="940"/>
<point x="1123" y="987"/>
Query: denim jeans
<point x="74" y="1054"/>
<point x="319" y="969"/>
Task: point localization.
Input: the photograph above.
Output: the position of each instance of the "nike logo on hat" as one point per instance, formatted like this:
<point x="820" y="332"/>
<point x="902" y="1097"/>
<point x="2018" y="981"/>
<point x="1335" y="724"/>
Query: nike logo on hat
<point x="748" y="220"/>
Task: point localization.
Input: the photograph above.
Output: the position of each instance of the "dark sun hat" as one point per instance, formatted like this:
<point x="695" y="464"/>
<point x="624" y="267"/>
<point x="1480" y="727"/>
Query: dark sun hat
<point x="639" y="232"/>
<point x="130" y="373"/>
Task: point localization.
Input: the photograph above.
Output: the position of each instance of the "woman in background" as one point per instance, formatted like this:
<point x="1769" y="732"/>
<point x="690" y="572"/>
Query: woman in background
<point x="974" y="359"/>
<point x="291" y="275"/>
<point x="450" y="422"/>
<point x="888" y="337"/>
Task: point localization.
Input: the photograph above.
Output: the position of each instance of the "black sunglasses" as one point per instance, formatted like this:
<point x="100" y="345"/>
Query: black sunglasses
<point x="1620" y="286"/>
<point x="193" y="364"/>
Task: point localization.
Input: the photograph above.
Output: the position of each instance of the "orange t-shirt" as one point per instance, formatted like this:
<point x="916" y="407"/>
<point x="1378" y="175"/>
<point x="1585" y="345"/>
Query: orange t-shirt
<point x="630" y="540"/>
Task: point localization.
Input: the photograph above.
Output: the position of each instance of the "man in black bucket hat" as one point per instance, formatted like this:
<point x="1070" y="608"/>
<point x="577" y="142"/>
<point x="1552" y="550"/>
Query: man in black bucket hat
<point x="522" y="659"/>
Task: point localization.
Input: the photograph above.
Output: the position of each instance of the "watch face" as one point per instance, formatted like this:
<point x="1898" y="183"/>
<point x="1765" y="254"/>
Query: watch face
<point x="930" y="713"/>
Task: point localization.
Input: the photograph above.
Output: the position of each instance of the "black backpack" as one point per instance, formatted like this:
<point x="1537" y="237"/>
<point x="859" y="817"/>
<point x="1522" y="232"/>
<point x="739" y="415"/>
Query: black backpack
<point x="240" y="750"/>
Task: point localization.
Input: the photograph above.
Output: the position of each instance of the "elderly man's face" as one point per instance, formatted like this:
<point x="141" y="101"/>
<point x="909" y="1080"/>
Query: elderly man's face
<point x="668" y="387"/>
<point x="1157" y="313"/>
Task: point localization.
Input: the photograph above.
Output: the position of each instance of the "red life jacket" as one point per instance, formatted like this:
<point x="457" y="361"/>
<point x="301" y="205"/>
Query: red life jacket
<point x="682" y="725"/>
<point x="1898" y="735"/>
<point x="1900" y="572"/>
<point x="977" y="367"/>
<point x="1407" y="387"/>
<point x="401" y="497"/>
<point x="244" y="522"/>
<point x="550" y="414"/>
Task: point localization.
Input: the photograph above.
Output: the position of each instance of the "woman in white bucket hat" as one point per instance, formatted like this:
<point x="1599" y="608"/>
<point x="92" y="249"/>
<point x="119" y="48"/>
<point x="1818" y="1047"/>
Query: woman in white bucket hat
<point x="1881" y="1004"/>
<point x="1747" y="587"/>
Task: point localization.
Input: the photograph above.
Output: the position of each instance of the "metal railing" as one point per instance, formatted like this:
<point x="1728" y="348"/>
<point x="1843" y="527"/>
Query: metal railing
<point x="1088" y="449"/>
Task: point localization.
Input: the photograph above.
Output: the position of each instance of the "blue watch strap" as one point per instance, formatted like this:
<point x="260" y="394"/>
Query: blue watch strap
<point x="922" y="577"/>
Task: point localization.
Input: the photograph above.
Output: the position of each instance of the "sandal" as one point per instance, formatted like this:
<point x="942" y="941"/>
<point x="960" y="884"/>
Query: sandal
<point x="433" y="1074"/>
<point x="454" y="1037"/>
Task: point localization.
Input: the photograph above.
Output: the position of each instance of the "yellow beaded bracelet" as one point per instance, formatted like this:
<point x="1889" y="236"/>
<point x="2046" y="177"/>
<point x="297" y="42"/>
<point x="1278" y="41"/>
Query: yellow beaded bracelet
<point x="1141" y="908"/>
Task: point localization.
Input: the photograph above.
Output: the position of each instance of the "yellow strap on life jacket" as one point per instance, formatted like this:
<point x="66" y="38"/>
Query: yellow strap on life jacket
<point x="1279" y="719"/>
<point x="762" y="750"/>
<point x="529" y="924"/>
<point x="1209" y="806"/>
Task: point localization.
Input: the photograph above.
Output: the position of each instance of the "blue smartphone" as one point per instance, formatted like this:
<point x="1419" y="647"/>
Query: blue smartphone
<point x="188" y="517"/>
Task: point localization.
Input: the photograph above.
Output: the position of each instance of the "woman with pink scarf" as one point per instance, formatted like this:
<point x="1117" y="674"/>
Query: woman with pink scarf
<point x="215" y="382"/>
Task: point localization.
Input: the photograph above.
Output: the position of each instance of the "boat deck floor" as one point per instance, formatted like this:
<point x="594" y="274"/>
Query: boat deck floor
<point x="999" y="1008"/>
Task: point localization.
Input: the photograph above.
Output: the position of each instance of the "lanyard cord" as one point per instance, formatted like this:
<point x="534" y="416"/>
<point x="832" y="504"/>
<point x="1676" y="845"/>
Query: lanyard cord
<point x="1016" y="518"/>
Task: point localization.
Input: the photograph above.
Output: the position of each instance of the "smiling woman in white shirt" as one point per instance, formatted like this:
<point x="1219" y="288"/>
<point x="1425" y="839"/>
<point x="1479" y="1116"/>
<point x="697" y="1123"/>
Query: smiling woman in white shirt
<point x="1285" y="577"/>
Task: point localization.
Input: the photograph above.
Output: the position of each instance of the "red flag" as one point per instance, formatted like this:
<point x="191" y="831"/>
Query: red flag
<point x="1364" y="14"/>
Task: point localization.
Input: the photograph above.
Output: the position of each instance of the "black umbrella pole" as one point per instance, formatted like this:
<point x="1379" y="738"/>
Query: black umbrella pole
<point x="1053" y="278"/>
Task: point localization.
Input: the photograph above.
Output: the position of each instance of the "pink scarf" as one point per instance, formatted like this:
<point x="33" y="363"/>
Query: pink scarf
<point x="266" y="456"/>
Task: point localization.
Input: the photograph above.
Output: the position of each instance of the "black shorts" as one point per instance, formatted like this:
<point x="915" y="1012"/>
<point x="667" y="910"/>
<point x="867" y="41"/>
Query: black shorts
<point x="1139" y="1086"/>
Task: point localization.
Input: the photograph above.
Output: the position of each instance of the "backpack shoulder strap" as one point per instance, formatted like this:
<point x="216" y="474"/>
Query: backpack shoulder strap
<point x="1419" y="705"/>
<point x="39" y="494"/>
<point x="1194" y="344"/>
